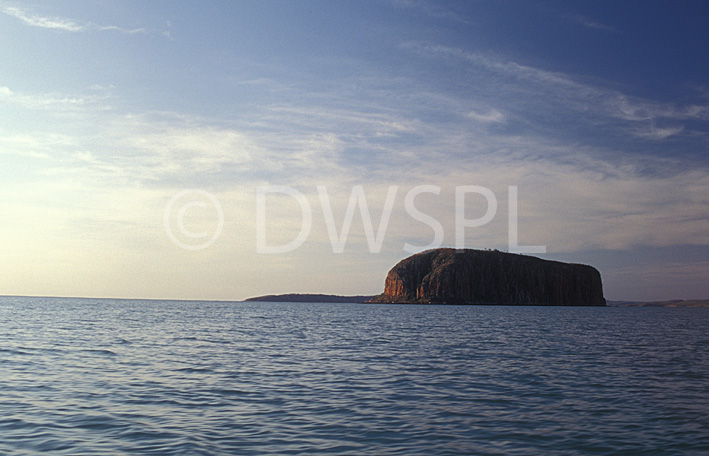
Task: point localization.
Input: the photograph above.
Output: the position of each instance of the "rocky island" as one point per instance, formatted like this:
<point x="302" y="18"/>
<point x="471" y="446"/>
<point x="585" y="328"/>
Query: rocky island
<point x="466" y="276"/>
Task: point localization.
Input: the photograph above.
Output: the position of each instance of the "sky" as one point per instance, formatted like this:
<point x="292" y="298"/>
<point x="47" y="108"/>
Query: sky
<point x="223" y="149"/>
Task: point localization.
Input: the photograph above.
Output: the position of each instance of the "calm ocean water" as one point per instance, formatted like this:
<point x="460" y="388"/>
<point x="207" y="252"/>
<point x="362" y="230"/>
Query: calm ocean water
<point x="128" y="377"/>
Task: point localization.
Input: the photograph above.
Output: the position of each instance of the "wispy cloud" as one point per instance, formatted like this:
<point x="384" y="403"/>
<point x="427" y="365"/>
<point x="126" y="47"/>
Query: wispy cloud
<point x="590" y="23"/>
<point x="34" y="20"/>
<point x="493" y="116"/>
<point x="35" y="146"/>
<point x="658" y="133"/>
<point x="60" y="23"/>
<point x="634" y="109"/>
<point x="535" y="93"/>
<point x="490" y="62"/>
<point x="46" y="101"/>
<point x="432" y="9"/>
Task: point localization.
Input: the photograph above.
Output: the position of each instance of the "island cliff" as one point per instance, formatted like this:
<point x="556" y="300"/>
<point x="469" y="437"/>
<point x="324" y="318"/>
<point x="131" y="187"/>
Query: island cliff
<point x="450" y="276"/>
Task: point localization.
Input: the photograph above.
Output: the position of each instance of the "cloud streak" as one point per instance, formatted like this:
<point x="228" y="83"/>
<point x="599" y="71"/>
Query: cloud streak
<point x="45" y="101"/>
<point x="60" y="23"/>
<point x="432" y="9"/>
<point x="589" y="23"/>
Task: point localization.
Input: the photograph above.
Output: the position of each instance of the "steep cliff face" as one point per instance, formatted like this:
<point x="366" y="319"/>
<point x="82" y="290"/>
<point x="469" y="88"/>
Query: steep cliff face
<point x="491" y="277"/>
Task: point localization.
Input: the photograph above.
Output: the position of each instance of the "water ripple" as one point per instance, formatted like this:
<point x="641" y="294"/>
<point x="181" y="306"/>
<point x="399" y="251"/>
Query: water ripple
<point x="105" y="377"/>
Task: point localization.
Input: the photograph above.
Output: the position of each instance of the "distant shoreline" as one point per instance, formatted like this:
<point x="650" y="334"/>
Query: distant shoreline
<point x="298" y="297"/>
<point x="669" y="303"/>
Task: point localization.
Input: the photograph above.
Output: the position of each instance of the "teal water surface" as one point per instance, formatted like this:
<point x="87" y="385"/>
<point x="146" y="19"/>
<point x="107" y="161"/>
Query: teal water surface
<point x="128" y="377"/>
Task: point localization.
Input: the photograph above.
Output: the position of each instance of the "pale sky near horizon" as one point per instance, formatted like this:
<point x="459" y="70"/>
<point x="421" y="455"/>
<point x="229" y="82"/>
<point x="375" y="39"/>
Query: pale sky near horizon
<point x="597" y="111"/>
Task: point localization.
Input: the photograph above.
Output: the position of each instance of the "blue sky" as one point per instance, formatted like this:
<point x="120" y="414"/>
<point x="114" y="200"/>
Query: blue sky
<point x="598" y="112"/>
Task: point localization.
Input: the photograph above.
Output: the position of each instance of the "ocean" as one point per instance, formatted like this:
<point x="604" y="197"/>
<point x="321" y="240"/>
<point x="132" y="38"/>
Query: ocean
<point x="140" y="377"/>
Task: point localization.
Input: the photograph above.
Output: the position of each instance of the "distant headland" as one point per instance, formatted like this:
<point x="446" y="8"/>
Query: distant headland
<point x="304" y="297"/>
